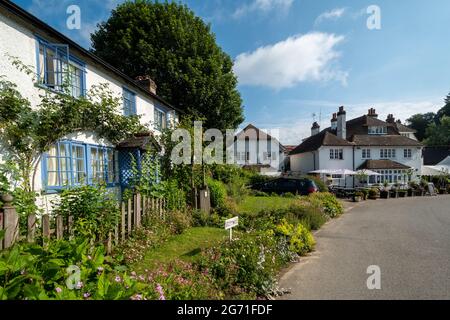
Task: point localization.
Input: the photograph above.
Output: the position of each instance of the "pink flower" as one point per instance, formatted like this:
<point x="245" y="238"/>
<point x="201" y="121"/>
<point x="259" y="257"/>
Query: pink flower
<point x="159" y="289"/>
<point x="118" y="279"/>
<point x="79" y="285"/>
<point x="86" y="295"/>
<point x="136" y="297"/>
<point x="58" y="290"/>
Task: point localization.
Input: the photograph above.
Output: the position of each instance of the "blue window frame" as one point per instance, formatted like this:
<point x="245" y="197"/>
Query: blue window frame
<point x="129" y="102"/>
<point x="58" y="70"/>
<point x="160" y="119"/>
<point x="70" y="163"/>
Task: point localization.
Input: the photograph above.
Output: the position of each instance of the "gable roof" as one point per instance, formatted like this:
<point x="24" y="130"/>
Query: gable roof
<point x="323" y="138"/>
<point x="359" y="125"/>
<point x="260" y="135"/>
<point x="402" y="128"/>
<point x="384" y="140"/>
<point x="382" y="164"/>
<point x="39" y="24"/>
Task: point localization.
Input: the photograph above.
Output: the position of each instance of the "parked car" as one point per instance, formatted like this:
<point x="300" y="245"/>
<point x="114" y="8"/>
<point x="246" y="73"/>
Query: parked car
<point x="300" y="186"/>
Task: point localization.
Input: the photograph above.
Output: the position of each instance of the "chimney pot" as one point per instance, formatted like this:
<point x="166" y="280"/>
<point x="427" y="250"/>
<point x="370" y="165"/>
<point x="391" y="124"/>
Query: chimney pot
<point x="147" y="83"/>
<point x="315" y="129"/>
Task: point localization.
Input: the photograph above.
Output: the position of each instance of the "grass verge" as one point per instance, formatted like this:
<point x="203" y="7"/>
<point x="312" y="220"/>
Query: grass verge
<point x="186" y="246"/>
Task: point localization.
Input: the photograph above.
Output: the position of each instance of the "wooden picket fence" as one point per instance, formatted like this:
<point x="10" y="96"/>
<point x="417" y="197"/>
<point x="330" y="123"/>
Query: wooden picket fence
<point x="133" y="212"/>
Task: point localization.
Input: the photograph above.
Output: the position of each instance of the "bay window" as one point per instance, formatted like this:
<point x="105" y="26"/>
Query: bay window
<point x="69" y="163"/>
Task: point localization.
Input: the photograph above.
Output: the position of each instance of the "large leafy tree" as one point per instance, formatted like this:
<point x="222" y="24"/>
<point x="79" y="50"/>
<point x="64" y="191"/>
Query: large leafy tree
<point x="167" y="42"/>
<point x="420" y="123"/>
<point x="439" y="134"/>
<point x="445" y="110"/>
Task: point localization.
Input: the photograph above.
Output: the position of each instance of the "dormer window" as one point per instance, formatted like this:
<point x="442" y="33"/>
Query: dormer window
<point x="377" y="130"/>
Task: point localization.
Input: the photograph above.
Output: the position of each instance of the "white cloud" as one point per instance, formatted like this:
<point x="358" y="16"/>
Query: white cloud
<point x="330" y="15"/>
<point x="300" y="58"/>
<point x="262" y="6"/>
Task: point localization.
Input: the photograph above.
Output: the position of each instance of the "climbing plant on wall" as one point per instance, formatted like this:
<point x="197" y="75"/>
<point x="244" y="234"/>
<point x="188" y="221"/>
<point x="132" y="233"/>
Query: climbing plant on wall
<point x="26" y="132"/>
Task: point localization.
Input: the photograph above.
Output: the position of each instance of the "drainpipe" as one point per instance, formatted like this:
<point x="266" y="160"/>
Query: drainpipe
<point x="354" y="165"/>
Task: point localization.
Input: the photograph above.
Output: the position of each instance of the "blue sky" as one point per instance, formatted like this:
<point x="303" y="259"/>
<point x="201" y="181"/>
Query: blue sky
<point x="297" y="58"/>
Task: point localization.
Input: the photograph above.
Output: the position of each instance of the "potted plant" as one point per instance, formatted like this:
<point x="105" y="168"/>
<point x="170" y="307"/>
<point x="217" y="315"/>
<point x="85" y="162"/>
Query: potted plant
<point x="393" y="192"/>
<point x="410" y="192"/>
<point x="402" y="193"/>
<point x="384" y="194"/>
<point x="365" y="193"/>
<point x="373" y="194"/>
<point x="357" y="197"/>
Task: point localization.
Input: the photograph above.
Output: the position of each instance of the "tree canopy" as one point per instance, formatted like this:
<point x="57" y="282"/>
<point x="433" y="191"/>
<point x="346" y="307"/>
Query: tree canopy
<point x="433" y="128"/>
<point x="167" y="42"/>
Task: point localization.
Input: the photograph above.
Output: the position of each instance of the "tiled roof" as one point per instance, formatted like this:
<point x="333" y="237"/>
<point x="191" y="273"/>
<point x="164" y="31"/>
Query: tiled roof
<point x="323" y="138"/>
<point x="403" y="128"/>
<point x="144" y="141"/>
<point x="382" y="164"/>
<point x="359" y="126"/>
<point x="384" y="140"/>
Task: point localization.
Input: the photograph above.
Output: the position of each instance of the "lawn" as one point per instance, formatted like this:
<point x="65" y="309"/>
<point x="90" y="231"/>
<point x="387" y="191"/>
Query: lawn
<point x="256" y="204"/>
<point x="186" y="246"/>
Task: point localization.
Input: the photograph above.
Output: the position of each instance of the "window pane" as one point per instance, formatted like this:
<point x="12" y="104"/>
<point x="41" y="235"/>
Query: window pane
<point x="52" y="179"/>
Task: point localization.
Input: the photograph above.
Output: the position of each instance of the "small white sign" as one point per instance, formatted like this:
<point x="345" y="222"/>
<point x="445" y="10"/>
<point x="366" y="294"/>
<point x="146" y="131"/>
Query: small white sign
<point x="231" y="223"/>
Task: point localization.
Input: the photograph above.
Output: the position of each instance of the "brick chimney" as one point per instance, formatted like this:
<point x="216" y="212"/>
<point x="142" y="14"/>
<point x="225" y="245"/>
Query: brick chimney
<point x="334" y="122"/>
<point x="372" y="113"/>
<point x="342" y="123"/>
<point x="147" y="83"/>
<point x="390" y="118"/>
<point x="315" y="129"/>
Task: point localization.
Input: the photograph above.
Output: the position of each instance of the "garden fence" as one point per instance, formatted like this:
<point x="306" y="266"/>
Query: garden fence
<point x="133" y="212"/>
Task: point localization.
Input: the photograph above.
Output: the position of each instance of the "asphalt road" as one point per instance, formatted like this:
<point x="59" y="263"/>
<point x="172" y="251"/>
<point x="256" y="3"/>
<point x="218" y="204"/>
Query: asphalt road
<point x="408" y="238"/>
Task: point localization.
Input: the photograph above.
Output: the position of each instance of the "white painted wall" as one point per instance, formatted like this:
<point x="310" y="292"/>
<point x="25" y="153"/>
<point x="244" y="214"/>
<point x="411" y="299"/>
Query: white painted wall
<point x="327" y="163"/>
<point x="303" y="163"/>
<point x="414" y="162"/>
<point x="19" y="41"/>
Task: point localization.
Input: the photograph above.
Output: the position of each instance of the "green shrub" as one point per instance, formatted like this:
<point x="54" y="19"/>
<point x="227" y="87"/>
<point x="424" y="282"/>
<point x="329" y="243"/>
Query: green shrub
<point x="179" y="220"/>
<point x="218" y="193"/>
<point x="330" y="204"/>
<point x="33" y="272"/>
<point x="246" y="265"/>
<point x="289" y="195"/>
<point x="373" y="193"/>
<point x="300" y="239"/>
<point x="94" y="209"/>
<point x="309" y="215"/>
<point x="175" y="195"/>
<point x="257" y="193"/>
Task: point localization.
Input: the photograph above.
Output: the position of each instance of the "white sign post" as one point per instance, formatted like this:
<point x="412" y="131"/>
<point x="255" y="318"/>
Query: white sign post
<point x="230" y="224"/>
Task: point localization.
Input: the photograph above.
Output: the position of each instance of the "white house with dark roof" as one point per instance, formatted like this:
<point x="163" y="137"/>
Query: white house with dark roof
<point x="386" y="147"/>
<point x="259" y="150"/>
<point x="56" y="59"/>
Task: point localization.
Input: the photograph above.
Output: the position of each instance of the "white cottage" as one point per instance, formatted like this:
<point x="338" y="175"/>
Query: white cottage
<point x="260" y="150"/>
<point x="81" y="155"/>
<point x="386" y="147"/>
